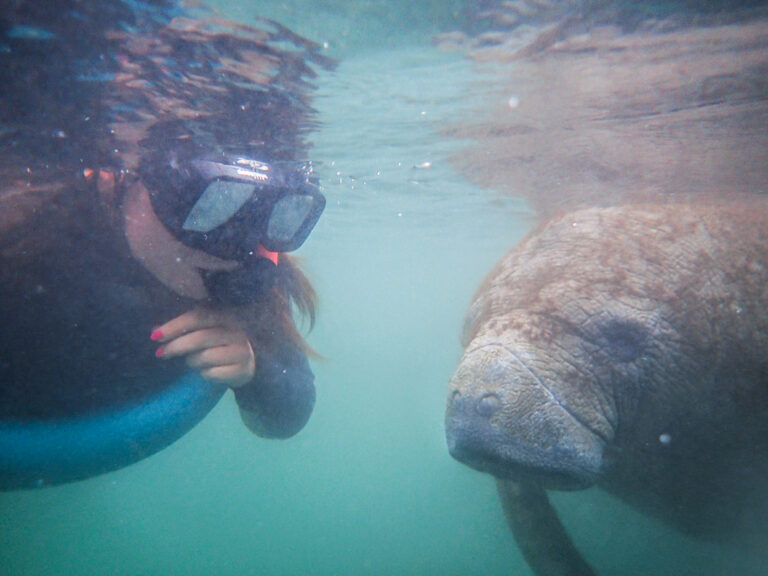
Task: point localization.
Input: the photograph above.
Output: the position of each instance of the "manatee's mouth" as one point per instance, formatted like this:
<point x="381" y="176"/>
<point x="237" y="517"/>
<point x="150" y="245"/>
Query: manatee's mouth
<point x="506" y="462"/>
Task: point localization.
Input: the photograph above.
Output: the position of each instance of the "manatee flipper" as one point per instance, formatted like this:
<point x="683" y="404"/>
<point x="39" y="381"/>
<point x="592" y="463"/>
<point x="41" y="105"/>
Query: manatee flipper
<point x="541" y="537"/>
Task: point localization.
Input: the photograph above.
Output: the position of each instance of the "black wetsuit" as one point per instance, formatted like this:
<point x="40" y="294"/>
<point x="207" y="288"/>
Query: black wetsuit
<point x="76" y="312"/>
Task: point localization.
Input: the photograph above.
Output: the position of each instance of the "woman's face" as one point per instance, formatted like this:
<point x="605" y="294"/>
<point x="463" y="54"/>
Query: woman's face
<point x="176" y="265"/>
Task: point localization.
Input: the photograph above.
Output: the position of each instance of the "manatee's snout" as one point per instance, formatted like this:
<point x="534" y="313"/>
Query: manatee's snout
<point x="471" y="436"/>
<point x="469" y="431"/>
<point x="502" y="419"/>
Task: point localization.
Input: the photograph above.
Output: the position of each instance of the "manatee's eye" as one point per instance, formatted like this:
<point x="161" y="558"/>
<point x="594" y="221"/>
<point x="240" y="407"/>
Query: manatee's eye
<point x="623" y="340"/>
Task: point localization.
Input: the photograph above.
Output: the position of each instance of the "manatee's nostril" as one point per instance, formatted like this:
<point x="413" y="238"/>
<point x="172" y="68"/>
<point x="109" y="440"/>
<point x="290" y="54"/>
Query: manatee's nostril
<point x="455" y="395"/>
<point x="488" y="405"/>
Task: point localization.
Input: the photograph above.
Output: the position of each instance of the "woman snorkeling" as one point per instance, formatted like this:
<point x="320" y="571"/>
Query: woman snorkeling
<point x="150" y="188"/>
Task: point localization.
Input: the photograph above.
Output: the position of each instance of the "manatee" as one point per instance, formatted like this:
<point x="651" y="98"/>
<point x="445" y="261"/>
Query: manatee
<point x="624" y="347"/>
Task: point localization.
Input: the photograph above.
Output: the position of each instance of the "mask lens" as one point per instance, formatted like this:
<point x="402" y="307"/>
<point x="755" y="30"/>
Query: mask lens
<point x="217" y="204"/>
<point x="288" y="217"/>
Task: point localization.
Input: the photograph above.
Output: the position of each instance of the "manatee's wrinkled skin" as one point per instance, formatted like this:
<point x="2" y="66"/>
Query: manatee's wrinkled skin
<point x="625" y="347"/>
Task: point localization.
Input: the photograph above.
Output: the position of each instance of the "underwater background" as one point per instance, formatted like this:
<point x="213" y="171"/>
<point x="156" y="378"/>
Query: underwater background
<point x="368" y="486"/>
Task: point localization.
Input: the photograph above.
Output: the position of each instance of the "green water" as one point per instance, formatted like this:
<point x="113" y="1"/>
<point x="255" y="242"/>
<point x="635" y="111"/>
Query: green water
<point x="368" y="487"/>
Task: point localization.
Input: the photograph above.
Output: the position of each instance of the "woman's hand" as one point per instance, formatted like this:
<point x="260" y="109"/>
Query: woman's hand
<point x="212" y="341"/>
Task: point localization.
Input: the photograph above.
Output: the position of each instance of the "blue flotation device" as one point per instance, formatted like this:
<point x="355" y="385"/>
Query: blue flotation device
<point x="37" y="454"/>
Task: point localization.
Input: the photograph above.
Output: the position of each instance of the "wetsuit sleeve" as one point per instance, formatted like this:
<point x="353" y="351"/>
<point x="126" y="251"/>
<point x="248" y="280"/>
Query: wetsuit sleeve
<point x="279" y="400"/>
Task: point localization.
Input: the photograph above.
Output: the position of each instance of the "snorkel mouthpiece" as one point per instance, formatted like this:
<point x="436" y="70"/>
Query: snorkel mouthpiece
<point x="274" y="257"/>
<point x="252" y="281"/>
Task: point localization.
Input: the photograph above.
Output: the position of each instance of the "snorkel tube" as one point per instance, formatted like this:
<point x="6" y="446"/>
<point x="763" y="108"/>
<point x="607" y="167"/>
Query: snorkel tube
<point x="252" y="281"/>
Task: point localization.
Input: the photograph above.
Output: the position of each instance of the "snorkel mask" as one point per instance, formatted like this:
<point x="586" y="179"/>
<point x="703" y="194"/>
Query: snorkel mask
<point x="241" y="209"/>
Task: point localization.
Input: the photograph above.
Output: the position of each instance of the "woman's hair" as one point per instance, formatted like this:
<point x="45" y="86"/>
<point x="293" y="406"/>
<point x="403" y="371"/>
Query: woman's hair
<point x="294" y="292"/>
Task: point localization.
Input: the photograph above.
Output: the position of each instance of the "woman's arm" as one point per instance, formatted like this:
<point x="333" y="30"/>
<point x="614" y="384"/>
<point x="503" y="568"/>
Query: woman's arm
<point x="269" y="373"/>
<point x="279" y="400"/>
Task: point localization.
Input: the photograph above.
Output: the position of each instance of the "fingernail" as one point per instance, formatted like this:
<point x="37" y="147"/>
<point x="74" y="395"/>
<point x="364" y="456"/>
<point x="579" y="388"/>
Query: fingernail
<point x="160" y="352"/>
<point x="157" y="335"/>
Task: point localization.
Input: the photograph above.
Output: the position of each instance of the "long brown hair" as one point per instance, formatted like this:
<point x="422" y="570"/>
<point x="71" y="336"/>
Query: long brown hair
<point x="291" y="304"/>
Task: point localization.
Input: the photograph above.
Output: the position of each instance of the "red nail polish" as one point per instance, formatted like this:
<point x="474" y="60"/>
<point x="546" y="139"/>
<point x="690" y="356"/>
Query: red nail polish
<point x="160" y="352"/>
<point x="157" y="335"/>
